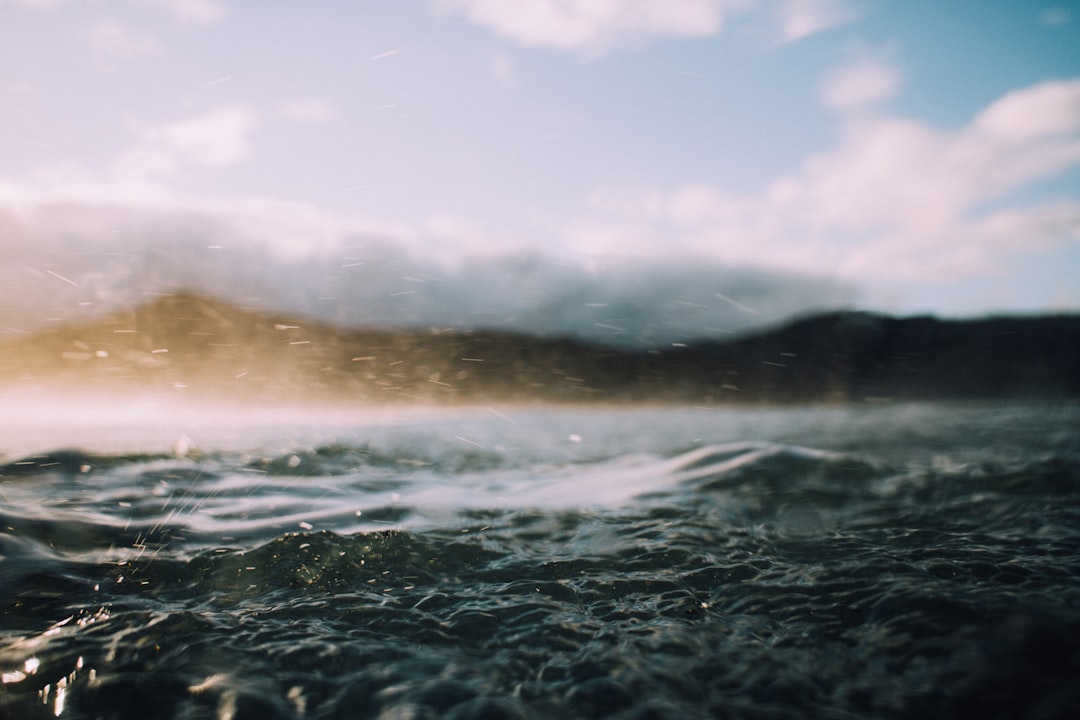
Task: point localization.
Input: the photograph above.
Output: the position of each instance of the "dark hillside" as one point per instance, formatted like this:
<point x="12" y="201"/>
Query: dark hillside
<point x="196" y="346"/>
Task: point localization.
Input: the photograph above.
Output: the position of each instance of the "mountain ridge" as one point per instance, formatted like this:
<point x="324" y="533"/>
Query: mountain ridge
<point x="191" y="344"/>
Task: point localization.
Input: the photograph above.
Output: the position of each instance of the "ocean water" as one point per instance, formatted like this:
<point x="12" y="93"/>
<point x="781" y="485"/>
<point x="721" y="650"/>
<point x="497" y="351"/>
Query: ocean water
<point x="909" y="561"/>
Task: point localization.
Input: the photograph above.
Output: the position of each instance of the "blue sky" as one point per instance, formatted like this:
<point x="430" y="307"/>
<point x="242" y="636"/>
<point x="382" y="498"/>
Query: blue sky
<point x="622" y="169"/>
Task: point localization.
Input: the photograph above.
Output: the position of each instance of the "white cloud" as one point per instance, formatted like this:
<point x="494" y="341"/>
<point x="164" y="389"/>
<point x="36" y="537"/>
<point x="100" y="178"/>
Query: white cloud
<point x="200" y="12"/>
<point x="596" y="26"/>
<point x="801" y="18"/>
<point x="217" y="138"/>
<point x="313" y="110"/>
<point x="860" y="86"/>
<point x="114" y="42"/>
<point x="72" y="202"/>
<point x="31" y="3"/>
<point x="895" y="200"/>
<point x="1045" y="110"/>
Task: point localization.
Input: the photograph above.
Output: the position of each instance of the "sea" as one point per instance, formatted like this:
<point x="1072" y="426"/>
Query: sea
<point x="911" y="560"/>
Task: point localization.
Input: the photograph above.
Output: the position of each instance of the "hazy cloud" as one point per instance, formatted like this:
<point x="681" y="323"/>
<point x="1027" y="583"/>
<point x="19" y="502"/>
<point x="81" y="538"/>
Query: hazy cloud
<point x="895" y="199"/>
<point x="862" y="85"/>
<point x="1054" y="16"/>
<point x="597" y="26"/>
<point x="1045" y="110"/>
<point x="309" y="110"/>
<point x="214" y="139"/>
<point x="800" y="18"/>
<point x="31" y="3"/>
<point x="202" y="12"/>
<point x="503" y="70"/>
<point x="114" y="42"/>
<point x="77" y="261"/>
<point x="600" y="26"/>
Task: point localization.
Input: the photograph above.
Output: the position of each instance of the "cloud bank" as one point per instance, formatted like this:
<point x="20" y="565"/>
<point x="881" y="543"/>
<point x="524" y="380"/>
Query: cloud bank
<point x="77" y="262"/>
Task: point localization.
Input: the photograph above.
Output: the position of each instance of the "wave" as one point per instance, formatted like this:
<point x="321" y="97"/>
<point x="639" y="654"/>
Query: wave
<point x="671" y="577"/>
<point x="116" y="501"/>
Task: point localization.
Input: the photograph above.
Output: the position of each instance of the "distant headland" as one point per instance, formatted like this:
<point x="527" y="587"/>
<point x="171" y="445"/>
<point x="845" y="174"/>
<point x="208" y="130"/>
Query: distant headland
<point x="198" y="347"/>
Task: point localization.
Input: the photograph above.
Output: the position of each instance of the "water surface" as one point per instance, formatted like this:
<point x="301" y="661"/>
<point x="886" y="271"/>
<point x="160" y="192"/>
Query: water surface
<point x="896" y="561"/>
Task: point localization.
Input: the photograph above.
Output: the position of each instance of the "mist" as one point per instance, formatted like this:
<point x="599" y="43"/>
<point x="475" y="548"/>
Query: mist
<point x="72" y="263"/>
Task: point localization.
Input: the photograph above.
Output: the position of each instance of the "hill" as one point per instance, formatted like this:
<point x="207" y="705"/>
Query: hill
<point x="189" y="344"/>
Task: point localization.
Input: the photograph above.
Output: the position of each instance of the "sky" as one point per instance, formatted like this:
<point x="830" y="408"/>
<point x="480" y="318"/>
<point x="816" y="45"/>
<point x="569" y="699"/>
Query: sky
<point x="631" y="171"/>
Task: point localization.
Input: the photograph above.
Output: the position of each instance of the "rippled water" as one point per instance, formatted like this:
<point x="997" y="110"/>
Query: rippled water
<point x="911" y="561"/>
